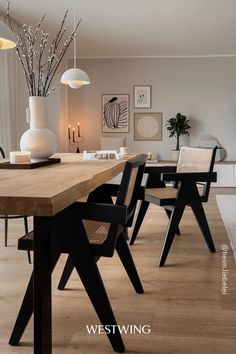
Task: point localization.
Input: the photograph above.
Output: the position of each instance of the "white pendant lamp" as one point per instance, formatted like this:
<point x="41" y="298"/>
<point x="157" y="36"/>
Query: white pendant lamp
<point x="75" y="77"/>
<point x="7" y="39"/>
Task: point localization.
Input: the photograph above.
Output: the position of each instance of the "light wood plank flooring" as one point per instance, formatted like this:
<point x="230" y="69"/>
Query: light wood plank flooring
<point x="182" y="303"/>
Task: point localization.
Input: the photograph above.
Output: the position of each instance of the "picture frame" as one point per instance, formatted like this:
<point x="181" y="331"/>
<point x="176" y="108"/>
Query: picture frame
<point x="142" y="96"/>
<point x="148" y="126"/>
<point x="115" y="113"/>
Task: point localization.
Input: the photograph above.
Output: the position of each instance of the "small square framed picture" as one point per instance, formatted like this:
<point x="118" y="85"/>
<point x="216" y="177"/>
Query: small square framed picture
<point x="142" y="96"/>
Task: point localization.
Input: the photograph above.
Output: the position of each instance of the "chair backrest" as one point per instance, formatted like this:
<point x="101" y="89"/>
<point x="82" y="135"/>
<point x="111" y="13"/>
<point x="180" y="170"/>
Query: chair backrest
<point x="197" y="160"/>
<point x="128" y="194"/>
<point x="2" y="153"/>
<point x="130" y="186"/>
<point x="194" y="160"/>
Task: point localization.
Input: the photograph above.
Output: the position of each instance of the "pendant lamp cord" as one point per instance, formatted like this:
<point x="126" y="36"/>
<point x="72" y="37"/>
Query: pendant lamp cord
<point x="75" y="12"/>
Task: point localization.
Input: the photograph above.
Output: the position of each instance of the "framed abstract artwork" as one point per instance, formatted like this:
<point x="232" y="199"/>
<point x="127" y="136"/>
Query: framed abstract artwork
<point x="142" y="96"/>
<point x="148" y="126"/>
<point x="115" y="113"/>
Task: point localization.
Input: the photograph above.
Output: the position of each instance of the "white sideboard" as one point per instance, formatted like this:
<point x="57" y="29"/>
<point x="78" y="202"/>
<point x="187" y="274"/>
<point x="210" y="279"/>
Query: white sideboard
<point x="226" y="174"/>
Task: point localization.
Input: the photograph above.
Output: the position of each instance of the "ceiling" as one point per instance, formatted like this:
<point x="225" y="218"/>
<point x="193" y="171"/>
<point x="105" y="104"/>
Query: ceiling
<point x="141" y="28"/>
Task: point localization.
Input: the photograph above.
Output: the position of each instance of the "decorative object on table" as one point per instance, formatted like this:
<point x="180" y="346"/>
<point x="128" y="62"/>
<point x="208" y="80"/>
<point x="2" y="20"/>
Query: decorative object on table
<point x="40" y="61"/>
<point x="107" y="155"/>
<point x="115" y="113"/>
<point x="210" y="141"/>
<point x="149" y="155"/>
<point x="75" y="77"/>
<point x="142" y="96"/>
<point x="124" y="150"/>
<point x="148" y="126"/>
<point x="75" y="137"/>
<point x="39" y="140"/>
<point x="176" y="127"/>
<point x="20" y="157"/>
<point x="100" y="155"/>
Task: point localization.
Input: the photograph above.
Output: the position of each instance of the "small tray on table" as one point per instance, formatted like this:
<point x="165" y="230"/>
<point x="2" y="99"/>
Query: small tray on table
<point x="33" y="164"/>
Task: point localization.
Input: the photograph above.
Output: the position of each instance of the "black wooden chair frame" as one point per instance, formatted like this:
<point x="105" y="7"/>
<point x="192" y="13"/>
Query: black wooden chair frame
<point x="153" y="181"/>
<point x="104" y="194"/>
<point x="187" y="195"/>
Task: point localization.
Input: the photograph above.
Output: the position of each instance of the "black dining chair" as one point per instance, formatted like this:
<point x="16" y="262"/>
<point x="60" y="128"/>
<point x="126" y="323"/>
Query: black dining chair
<point x="10" y="217"/>
<point x="104" y="224"/>
<point x="194" y="168"/>
<point x="105" y="194"/>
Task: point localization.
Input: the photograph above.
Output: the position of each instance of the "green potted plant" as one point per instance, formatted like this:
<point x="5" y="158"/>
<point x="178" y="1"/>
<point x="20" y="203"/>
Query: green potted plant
<point x="176" y="127"/>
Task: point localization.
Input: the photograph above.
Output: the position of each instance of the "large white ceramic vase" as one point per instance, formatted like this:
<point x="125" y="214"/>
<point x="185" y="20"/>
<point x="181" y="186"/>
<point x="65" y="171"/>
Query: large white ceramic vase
<point x="39" y="140"/>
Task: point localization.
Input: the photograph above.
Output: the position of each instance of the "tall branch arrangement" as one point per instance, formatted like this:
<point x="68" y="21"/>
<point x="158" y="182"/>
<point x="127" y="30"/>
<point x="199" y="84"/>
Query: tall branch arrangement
<point x="39" y="57"/>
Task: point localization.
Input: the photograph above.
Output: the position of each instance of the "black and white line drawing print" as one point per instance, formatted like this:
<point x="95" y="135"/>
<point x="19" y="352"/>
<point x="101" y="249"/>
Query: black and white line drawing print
<point x="115" y="109"/>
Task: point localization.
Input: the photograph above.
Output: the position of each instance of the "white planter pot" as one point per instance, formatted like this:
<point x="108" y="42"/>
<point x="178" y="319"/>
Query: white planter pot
<point x="174" y="155"/>
<point x="39" y="140"/>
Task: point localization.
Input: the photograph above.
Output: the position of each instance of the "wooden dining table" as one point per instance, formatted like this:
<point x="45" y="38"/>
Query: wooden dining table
<point x="44" y="193"/>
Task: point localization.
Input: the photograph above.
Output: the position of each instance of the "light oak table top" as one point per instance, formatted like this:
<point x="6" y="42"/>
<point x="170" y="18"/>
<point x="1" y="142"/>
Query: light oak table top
<point x="45" y="191"/>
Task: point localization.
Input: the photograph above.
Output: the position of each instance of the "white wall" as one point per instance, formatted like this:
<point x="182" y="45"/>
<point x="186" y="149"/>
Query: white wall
<point x="204" y="89"/>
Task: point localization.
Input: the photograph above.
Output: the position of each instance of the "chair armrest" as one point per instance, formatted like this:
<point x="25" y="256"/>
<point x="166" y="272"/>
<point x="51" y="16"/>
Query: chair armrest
<point x="101" y="212"/>
<point x="156" y="170"/>
<point x="193" y="176"/>
<point x="108" y="188"/>
<point x="154" y="175"/>
<point x="111" y="190"/>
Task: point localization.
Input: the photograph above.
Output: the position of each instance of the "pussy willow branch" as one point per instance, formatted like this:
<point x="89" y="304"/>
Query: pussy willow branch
<point x="31" y="54"/>
<point x="17" y="50"/>
<point x="24" y="65"/>
<point x="22" y="39"/>
<point x="60" y="57"/>
<point x="42" y="47"/>
<point x="53" y="48"/>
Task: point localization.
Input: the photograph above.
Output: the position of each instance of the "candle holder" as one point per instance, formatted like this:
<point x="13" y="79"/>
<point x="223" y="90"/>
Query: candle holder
<point x="75" y="140"/>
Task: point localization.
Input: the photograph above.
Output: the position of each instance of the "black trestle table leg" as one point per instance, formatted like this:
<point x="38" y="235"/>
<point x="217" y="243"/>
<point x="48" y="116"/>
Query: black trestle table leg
<point x="42" y="286"/>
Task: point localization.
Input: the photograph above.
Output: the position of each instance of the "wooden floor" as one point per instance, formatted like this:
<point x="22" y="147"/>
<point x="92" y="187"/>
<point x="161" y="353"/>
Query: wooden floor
<point x="183" y="303"/>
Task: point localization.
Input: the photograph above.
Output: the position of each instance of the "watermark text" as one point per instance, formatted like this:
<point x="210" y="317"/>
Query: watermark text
<point x="224" y="269"/>
<point x="122" y="329"/>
